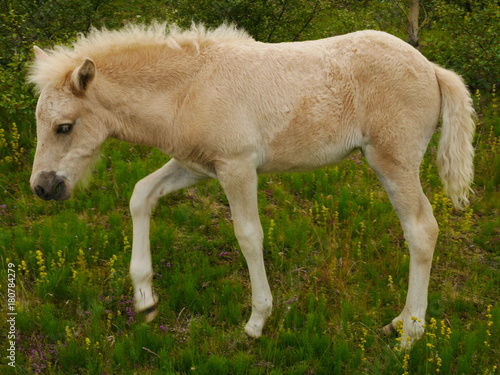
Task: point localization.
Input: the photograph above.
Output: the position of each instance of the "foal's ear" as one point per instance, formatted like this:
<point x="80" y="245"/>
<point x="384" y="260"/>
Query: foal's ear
<point x="82" y="76"/>
<point x="39" y="53"/>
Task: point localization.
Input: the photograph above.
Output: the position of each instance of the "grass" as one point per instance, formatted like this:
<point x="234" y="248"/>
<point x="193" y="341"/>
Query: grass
<point x="335" y="255"/>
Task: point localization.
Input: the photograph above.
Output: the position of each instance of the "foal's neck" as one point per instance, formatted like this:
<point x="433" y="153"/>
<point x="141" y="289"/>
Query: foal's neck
<point x="143" y="103"/>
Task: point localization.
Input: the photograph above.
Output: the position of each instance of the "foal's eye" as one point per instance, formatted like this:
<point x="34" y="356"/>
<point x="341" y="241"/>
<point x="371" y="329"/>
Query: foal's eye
<point x="64" y="128"/>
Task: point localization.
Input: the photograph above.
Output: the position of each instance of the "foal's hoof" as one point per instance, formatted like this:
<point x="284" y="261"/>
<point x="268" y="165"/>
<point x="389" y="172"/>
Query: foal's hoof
<point x="150" y="313"/>
<point x="389" y="330"/>
<point x="253" y="331"/>
<point x="255" y="325"/>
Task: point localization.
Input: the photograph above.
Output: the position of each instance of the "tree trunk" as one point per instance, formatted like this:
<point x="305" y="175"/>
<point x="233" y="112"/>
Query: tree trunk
<point x="413" y="23"/>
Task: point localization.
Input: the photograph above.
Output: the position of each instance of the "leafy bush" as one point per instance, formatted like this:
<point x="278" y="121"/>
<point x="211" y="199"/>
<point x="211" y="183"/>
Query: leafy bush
<point x="464" y="37"/>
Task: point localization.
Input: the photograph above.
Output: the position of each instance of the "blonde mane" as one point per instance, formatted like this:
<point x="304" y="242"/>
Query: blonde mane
<point x="104" y="44"/>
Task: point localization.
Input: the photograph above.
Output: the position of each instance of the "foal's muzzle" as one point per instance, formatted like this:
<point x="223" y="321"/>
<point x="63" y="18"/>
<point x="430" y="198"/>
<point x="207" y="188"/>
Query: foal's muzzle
<point x="48" y="185"/>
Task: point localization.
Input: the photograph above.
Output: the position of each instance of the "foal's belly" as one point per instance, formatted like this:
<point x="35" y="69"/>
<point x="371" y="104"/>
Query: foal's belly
<point x="304" y="158"/>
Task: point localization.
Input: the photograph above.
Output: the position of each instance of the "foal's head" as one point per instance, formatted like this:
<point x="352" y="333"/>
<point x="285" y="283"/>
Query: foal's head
<point x="69" y="130"/>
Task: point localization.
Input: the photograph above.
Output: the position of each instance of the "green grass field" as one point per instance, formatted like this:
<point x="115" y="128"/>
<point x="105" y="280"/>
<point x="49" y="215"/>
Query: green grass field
<point x="335" y="254"/>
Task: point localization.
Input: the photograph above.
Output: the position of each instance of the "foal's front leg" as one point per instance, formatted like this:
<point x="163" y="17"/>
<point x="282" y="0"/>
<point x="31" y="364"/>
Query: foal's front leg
<point x="240" y="185"/>
<point x="169" y="178"/>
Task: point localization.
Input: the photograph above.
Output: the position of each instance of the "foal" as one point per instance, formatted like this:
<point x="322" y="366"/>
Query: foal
<point x="227" y="107"/>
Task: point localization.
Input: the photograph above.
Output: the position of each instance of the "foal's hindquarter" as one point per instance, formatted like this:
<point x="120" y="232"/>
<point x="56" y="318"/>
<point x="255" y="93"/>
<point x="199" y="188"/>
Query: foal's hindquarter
<point x="293" y="107"/>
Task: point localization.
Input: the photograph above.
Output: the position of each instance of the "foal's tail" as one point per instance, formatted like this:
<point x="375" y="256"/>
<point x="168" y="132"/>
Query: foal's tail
<point x="455" y="151"/>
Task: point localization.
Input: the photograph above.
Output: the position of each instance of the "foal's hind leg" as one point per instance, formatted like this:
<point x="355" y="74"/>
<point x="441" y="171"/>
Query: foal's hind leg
<point x="169" y="178"/>
<point x="402" y="183"/>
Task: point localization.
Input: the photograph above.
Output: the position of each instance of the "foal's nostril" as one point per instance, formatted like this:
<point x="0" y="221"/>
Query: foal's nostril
<point x="40" y="191"/>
